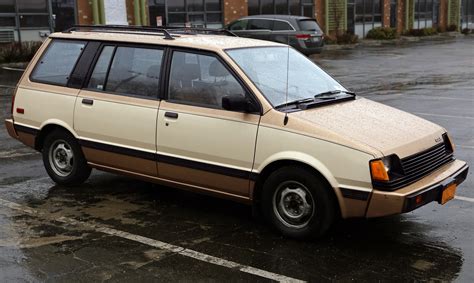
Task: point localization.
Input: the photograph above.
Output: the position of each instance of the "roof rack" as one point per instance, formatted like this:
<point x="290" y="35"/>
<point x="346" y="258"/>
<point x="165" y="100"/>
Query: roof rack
<point x="118" y="28"/>
<point x="191" y="30"/>
<point x="165" y="30"/>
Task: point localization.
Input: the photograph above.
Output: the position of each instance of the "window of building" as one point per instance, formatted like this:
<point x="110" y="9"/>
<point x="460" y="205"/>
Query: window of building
<point x="282" y="7"/>
<point x="64" y="14"/>
<point x="32" y="6"/>
<point x="57" y="63"/>
<point x="133" y="71"/>
<point x="367" y="15"/>
<point x="201" y="80"/>
<point x="197" y="13"/>
<point x="467" y="14"/>
<point x="7" y="6"/>
<point x="424" y="14"/>
<point x="34" y="21"/>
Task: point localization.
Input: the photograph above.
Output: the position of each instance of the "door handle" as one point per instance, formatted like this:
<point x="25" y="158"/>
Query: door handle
<point x="87" y="101"/>
<point x="171" y="115"/>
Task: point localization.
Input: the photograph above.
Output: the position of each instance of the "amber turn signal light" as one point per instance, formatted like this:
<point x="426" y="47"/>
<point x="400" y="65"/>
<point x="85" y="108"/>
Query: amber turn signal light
<point x="379" y="173"/>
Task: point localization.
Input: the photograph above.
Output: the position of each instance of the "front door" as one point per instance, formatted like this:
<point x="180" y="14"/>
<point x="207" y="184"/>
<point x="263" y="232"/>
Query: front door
<point x="198" y="142"/>
<point x="115" y="115"/>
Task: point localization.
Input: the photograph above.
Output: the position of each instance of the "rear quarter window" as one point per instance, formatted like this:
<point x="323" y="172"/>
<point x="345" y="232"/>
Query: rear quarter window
<point x="57" y="62"/>
<point x="309" y="25"/>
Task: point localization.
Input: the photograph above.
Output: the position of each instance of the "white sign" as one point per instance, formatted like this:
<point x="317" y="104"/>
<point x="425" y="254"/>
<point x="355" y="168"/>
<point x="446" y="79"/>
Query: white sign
<point x="115" y="12"/>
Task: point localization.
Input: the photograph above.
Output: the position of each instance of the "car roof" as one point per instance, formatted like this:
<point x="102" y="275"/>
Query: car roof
<point x="199" y="41"/>
<point x="278" y="17"/>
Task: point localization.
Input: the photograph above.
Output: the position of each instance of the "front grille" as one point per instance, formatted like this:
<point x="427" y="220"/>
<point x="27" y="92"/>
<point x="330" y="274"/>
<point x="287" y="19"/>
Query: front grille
<point x="419" y="165"/>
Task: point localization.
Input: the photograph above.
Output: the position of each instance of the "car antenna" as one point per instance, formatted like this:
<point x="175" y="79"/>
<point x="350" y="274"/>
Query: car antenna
<point x="285" y="120"/>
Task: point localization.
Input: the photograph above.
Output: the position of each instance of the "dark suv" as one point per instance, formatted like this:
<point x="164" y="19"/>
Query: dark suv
<point x="302" y="33"/>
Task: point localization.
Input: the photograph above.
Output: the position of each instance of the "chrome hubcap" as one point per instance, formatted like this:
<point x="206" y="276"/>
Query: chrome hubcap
<point x="61" y="158"/>
<point x="293" y="204"/>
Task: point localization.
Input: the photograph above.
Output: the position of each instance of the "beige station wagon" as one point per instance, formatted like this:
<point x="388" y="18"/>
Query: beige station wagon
<point x="244" y="119"/>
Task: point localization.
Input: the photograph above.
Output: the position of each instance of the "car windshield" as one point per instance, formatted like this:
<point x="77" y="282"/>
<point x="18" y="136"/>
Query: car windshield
<point x="267" y="68"/>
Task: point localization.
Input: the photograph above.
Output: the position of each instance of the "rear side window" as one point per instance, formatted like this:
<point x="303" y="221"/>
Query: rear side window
<point x="127" y="70"/>
<point x="58" y="61"/>
<point x="280" y="25"/>
<point x="309" y="25"/>
<point x="239" y="25"/>
<point x="260" y="24"/>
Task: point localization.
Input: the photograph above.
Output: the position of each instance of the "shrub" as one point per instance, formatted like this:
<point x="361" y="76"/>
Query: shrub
<point x="452" y="28"/>
<point x="466" y="31"/>
<point x="382" y="33"/>
<point x="347" y="38"/>
<point x="422" y="32"/>
<point x="16" y="52"/>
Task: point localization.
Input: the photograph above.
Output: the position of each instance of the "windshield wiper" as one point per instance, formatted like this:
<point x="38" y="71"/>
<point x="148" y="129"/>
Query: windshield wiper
<point x="295" y="102"/>
<point x="331" y="94"/>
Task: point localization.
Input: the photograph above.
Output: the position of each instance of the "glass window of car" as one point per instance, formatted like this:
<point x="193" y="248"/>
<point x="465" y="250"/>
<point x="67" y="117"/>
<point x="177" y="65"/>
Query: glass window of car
<point x="267" y="67"/>
<point x="201" y="80"/>
<point x="309" y="25"/>
<point x="58" y="61"/>
<point x="281" y="26"/>
<point x="239" y="25"/>
<point x="256" y="24"/>
<point x="97" y="80"/>
<point x="134" y="71"/>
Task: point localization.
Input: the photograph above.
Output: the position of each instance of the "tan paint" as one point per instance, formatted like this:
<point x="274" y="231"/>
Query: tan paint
<point x="337" y="140"/>
<point x="216" y="137"/>
<point x="388" y="203"/>
<point x="175" y="184"/>
<point x="10" y="128"/>
<point x="214" y="181"/>
<point x="120" y="161"/>
<point x="117" y="120"/>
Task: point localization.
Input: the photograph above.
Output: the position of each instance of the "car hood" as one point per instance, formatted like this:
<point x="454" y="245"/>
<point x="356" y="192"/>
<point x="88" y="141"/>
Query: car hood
<point x="380" y="127"/>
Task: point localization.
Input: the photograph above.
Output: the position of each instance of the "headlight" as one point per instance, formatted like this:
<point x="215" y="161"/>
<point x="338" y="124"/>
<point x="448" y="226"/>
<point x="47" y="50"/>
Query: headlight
<point x="386" y="169"/>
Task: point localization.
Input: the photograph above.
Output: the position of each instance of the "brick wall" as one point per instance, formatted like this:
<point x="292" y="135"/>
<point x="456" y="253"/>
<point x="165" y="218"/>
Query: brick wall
<point x="84" y="12"/>
<point x="401" y="16"/>
<point x="234" y="9"/>
<point x="386" y="13"/>
<point x="443" y="13"/>
<point x="319" y="7"/>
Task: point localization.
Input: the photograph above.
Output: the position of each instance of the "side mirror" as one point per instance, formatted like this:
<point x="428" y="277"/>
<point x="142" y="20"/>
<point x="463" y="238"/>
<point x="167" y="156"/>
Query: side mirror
<point x="238" y="103"/>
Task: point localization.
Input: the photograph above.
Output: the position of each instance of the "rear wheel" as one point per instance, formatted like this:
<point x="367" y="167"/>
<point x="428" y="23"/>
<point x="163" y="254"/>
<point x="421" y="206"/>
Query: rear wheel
<point x="64" y="160"/>
<point x="298" y="203"/>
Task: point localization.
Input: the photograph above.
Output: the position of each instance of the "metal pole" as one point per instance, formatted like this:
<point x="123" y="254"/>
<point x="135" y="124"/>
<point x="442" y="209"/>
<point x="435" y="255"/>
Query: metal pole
<point x="102" y="12"/>
<point x="95" y="12"/>
<point x="144" y="14"/>
<point x="136" y="12"/>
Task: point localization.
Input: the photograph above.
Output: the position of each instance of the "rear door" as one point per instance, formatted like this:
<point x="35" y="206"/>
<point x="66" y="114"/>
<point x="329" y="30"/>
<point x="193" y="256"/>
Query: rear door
<point x="282" y="32"/>
<point x="115" y="114"/>
<point x="198" y="142"/>
<point x="259" y="29"/>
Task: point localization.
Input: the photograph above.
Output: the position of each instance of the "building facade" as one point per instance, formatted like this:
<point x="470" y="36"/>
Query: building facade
<point x="26" y="20"/>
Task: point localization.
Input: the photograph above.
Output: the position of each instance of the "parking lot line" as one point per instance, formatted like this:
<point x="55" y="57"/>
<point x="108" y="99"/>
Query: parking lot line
<point x="153" y="243"/>
<point x="464" y="198"/>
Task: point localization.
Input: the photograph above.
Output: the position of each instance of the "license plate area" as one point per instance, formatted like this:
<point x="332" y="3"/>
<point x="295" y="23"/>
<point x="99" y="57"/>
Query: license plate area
<point x="448" y="193"/>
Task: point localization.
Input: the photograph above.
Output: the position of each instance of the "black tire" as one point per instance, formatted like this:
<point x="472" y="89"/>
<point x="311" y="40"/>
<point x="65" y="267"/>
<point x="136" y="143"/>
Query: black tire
<point x="64" y="169"/>
<point x="298" y="203"/>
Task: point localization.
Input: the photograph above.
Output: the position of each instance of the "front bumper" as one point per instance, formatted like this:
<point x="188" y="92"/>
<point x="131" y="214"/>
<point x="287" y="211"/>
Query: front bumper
<point x="427" y="190"/>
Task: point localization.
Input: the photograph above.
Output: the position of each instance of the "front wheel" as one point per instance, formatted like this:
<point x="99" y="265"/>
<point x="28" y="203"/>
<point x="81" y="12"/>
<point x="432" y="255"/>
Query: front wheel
<point x="64" y="160"/>
<point x="298" y="203"/>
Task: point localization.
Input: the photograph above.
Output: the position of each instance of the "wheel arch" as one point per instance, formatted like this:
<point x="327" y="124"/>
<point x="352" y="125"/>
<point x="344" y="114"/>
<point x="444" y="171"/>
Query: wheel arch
<point x="303" y="161"/>
<point x="48" y="127"/>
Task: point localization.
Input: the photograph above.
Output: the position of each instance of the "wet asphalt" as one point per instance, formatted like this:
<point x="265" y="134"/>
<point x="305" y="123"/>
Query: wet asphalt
<point x="52" y="233"/>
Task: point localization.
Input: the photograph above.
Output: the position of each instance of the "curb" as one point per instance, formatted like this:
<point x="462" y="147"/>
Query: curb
<point x="402" y="40"/>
